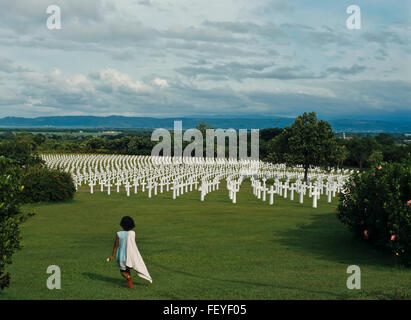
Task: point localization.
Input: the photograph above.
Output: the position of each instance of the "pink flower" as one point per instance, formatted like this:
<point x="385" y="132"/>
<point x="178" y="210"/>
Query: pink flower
<point x="379" y="168"/>
<point x="409" y="203"/>
<point x="393" y="237"/>
<point x="23" y="166"/>
<point x="366" y="234"/>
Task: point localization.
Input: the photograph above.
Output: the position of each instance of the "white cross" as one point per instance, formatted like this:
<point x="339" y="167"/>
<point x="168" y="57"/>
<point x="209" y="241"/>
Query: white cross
<point x="271" y="193"/>
<point x="236" y="188"/>
<point x="264" y="190"/>
<point x="143" y="184"/>
<point x="109" y="187"/>
<point x="292" y="189"/>
<point x="127" y="186"/>
<point x="301" y="193"/>
<point x="118" y="184"/>
<point x="259" y="190"/>
<point x="315" y="194"/>
<point x="203" y="189"/>
<point x="285" y="189"/>
<point x="92" y="184"/>
<point x="149" y="188"/>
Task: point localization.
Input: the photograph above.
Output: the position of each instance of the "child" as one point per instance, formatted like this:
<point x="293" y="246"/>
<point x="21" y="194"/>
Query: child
<point x="127" y="255"/>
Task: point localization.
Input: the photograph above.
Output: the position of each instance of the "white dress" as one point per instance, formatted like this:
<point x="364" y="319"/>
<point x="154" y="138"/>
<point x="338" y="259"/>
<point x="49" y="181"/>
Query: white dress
<point x="134" y="259"/>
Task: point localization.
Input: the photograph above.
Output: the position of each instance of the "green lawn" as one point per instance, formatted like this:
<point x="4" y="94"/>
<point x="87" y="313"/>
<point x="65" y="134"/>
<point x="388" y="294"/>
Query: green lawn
<point x="199" y="250"/>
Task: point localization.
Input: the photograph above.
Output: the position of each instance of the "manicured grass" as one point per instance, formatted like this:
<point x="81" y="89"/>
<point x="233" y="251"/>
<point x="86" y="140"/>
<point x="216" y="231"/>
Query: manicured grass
<point x="199" y="250"/>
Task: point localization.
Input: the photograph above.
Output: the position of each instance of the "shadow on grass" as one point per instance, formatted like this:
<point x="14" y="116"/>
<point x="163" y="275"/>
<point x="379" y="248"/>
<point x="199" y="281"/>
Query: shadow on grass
<point x="249" y="283"/>
<point x="326" y="238"/>
<point x="98" y="277"/>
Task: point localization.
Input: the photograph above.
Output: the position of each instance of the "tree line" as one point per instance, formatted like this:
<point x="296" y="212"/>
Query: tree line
<point x="308" y="141"/>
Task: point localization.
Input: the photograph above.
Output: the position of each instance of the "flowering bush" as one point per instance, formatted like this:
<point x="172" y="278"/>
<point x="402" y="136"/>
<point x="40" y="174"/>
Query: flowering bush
<point x="376" y="207"/>
<point x="44" y="185"/>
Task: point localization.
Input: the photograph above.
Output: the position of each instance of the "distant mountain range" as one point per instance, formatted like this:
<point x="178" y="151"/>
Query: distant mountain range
<point x="118" y="122"/>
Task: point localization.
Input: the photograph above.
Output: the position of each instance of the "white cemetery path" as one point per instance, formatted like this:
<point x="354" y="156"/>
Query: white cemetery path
<point x="158" y="175"/>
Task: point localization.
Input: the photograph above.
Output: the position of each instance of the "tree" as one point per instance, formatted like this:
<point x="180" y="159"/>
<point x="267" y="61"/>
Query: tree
<point x="307" y="142"/>
<point x="39" y="139"/>
<point x="361" y="149"/>
<point x="10" y="215"/>
<point x="270" y="133"/>
<point x="375" y="158"/>
<point x="139" y="145"/>
<point x="7" y="135"/>
<point x="385" y="139"/>
<point x="341" y="154"/>
<point x="19" y="151"/>
<point x="266" y="138"/>
<point x="203" y="127"/>
<point x="94" y="143"/>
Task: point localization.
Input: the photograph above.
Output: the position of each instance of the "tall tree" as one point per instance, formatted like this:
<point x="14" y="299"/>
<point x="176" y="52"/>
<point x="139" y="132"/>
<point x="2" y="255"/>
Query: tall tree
<point x="361" y="149"/>
<point x="308" y="142"/>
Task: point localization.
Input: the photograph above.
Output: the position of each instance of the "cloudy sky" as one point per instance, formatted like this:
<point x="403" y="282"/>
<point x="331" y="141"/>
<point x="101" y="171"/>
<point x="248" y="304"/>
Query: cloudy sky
<point x="232" y="58"/>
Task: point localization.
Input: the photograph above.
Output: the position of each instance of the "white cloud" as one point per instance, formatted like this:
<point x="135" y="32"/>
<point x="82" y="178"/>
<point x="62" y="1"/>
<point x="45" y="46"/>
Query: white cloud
<point x="117" y="80"/>
<point x="160" y="82"/>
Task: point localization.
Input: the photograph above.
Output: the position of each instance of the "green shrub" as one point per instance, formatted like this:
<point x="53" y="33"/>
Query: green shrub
<point x="376" y="207"/>
<point x="45" y="185"/>
<point x="10" y="215"/>
<point x="21" y="152"/>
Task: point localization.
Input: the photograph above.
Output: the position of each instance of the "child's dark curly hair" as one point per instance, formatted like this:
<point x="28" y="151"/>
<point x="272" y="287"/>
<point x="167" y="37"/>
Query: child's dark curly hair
<point x="127" y="223"/>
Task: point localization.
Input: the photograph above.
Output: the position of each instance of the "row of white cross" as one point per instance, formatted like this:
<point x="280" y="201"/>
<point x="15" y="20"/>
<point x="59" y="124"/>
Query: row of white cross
<point x="156" y="175"/>
<point x="315" y="190"/>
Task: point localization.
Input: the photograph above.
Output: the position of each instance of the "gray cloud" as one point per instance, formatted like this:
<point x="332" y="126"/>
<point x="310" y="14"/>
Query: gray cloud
<point x="233" y="70"/>
<point x="199" y="34"/>
<point x="383" y="38"/>
<point x="146" y="3"/>
<point x="353" y="70"/>
<point x="122" y="55"/>
<point x="240" y="71"/>
<point x="8" y="66"/>
<point x="211" y="50"/>
<point x="287" y="73"/>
